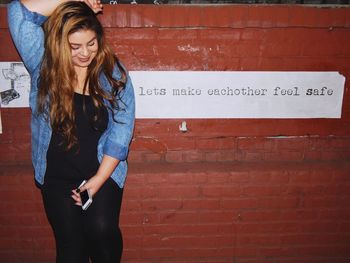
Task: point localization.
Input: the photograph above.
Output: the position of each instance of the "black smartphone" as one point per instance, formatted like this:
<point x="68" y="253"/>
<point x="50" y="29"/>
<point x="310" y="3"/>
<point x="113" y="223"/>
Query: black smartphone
<point x="85" y="196"/>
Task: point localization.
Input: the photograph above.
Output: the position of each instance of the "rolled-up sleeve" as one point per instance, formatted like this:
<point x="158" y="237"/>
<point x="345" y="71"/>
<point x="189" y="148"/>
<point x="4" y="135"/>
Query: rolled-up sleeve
<point x="118" y="140"/>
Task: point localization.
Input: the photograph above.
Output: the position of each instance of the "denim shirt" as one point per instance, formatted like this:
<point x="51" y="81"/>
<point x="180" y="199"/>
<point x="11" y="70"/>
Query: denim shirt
<point x="28" y="36"/>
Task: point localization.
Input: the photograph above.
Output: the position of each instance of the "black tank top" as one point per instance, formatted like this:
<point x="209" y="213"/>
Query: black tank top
<point x="66" y="169"/>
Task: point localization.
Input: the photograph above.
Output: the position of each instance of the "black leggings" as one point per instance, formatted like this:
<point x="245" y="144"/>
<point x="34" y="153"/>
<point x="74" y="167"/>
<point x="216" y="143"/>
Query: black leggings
<point x="93" y="233"/>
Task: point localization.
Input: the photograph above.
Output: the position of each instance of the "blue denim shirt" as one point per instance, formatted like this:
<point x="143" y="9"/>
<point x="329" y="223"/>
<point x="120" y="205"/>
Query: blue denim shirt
<point x="28" y="36"/>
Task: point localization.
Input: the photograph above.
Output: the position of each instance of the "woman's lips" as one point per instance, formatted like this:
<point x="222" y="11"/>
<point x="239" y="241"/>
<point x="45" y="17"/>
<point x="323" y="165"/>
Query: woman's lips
<point x="84" y="59"/>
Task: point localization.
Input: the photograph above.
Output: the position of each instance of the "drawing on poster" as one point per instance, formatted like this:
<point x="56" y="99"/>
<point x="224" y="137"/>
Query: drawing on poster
<point x="14" y="84"/>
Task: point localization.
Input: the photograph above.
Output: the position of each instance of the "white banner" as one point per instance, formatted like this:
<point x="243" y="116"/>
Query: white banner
<point x="212" y="94"/>
<point x="222" y="94"/>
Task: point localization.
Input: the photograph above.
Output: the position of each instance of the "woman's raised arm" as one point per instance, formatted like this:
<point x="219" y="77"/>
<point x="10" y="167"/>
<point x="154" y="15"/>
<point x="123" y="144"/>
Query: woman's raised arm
<point x="46" y="7"/>
<point x="25" y="19"/>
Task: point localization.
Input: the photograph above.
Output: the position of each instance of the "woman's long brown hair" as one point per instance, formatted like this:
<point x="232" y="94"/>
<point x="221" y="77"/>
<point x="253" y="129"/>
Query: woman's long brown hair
<point x="57" y="76"/>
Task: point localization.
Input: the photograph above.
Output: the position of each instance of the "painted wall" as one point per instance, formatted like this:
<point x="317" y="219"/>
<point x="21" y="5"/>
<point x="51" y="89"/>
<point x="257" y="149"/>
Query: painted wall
<point x="234" y="190"/>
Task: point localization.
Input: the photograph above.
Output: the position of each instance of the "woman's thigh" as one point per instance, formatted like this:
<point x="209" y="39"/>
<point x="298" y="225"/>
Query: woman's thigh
<point x="66" y="221"/>
<point x="101" y="224"/>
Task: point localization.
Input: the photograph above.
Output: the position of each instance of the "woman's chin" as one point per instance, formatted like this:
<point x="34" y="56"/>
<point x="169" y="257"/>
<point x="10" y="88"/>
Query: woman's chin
<point x="82" y="64"/>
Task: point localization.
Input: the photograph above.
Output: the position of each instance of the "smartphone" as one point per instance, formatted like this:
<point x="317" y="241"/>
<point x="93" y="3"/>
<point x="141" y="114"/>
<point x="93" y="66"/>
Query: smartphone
<point x="85" y="196"/>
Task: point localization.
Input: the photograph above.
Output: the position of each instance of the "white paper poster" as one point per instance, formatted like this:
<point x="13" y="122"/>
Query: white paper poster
<point x="214" y="94"/>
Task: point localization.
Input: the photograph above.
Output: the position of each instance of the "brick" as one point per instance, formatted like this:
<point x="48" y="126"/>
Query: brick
<point x="300" y="177"/>
<point x="294" y="215"/>
<point x="315" y="239"/>
<point x="238" y="252"/>
<point x="197" y="204"/>
<point x="179" y="192"/>
<point x="258" y="240"/>
<point x="249" y="63"/>
<point x="227" y="156"/>
<point x="226" y="34"/>
<point x="212" y="156"/>
<point x="320" y="202"/>
<point x="344" y="227"/>
<point x="157" y="178"/>
<point x="178" y="217"/>
<point x="278" y="202"/>
<point x="239" y="203"/>
<point x="270" y="64"/>
<point x="313" y="156"/>
<point x="158" y="253"/>
<point x="18" y="194"/>
<point x="131" y="253"/>
<point x="129" y="231"/>
<point x="152" y="157"/>
<point x="216" y="217"/>
<point x="192" y="156"/>
<point x="220" y="191"/>
<point x="150" y="16"/>
<point x="219" y="178"/>
<point x="279" y="177"/>
<point x="341" y="176"/>
<point x="239" y="177"/>
<point x="323" y="250"/>
<point x="260" y="216"/>
<point x="174" y="157"/>
<point x="284" y="227"/>
<point x="278" y="251"/>
<point x="194" y="242"/>
<point x="252" y="157"/>
<point x="258" y="191"/>
<point x="136" y="179"/>
<point x="319" y="226"/>
<point x="284" y="156"/>
<point x="291" y="144"/>
<point x="10" y="232"/>
<point x="132" y="242"/>
<point x="135" y="18"/>
<point x="131" y="205"/>
<point x="340" y="143"/>
<point x="321" y="176"/>
<point x="215" y="143"/>
<point x="182" y="229"/>
<point x="254" y="143"/>
<point x="168" y="33"/>
<point x="161" y="205"/>
<point x="200" y="178"/>
<point x="260" y="178"/>
<point x="180" y="178"/>
<point x="179" y="143"/>
<point x="332" y="214"/>
<point x="138" y="218"/>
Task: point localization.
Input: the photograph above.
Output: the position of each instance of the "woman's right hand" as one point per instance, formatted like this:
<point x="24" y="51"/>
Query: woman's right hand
<point x="95" y="5"/>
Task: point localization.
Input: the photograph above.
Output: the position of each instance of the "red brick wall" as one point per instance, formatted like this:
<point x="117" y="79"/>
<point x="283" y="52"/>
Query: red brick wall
<point x="222" y="212"/>
<point x="269" y="190"/>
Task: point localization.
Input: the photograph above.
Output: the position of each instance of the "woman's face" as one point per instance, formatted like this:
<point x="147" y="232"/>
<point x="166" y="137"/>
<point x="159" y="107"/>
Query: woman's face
<point x="84" y="47"/>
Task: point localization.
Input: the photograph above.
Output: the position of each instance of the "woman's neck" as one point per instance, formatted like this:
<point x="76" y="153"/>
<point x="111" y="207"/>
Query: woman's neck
<point x="81" y="74"/>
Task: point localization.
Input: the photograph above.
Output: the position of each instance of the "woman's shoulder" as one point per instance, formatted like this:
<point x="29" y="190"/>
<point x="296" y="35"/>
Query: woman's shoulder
<point x="117" y="70"/>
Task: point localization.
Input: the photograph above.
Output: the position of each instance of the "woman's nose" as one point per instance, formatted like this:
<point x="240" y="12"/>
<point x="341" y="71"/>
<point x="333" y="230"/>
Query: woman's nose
<point x="85" y="52"/>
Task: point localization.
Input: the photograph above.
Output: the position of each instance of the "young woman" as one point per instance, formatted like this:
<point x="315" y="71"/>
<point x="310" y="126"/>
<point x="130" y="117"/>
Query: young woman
<point x="82" y="104"/>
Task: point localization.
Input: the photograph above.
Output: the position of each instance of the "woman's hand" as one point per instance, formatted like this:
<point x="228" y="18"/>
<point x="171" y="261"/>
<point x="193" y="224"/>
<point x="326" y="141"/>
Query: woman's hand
<point x="107" y="166"/>
<point x="93" y="185"/>
<point x="95" y="5"/>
